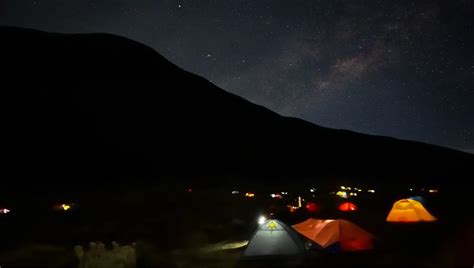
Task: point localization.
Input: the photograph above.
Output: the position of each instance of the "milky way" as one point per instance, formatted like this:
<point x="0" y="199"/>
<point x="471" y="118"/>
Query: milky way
<point x="397" y="68"/>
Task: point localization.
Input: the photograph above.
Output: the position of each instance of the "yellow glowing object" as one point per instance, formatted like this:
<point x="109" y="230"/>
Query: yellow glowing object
<point x="292" y="208"/>
<point x="65" y="207"/>
<point x="343" y="188"/>
<point x="249" y="195"/>
<point x="408" y="210"/>
<point x="272" y="226"/>
<point x="371" y="191"/>
<point x="433" y="191"/>
<point x="342" y="194"/>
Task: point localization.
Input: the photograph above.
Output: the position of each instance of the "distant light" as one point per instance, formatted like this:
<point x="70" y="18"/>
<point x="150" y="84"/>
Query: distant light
<point x="235" y="192"/>
<point x="292" y="208"/>
<point x="65" y="207"/>
<point x="342" y="194"/>
<point x="433" y="191"/>
<point x="249" y="195"/>
<point x="311" y="207"/>
<point x="276" y="196"/>
<point x="343" y="188"/>
<point x="312" y="190"/>
<point x="299" y="201"/>
<point x="189" y="190"/>
<point x="359" y="190"/>
<point x="411" y="189"/>
<point x="261" y="220"/>
<point x="371" y="191"/>
<point x="4" y="211"/>
<point x="284" y="193"/>
<point x="348" y="188"/>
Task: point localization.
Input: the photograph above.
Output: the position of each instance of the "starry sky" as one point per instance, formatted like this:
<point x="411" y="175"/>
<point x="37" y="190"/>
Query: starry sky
<point x="396" y="68"/>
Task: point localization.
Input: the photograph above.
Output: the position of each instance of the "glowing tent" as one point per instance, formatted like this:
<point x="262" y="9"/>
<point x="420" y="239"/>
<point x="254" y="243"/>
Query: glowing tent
<point x="312" y="207"/>
<point x="326" y="233"/>
<point x="347" y="206"/>
<point x="409" y="210"/>
<point x="274" y="239"/>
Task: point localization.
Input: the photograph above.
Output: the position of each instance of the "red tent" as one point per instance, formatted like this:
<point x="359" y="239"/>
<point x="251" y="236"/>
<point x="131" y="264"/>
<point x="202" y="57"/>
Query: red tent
<point x="328" y="232"/>
<point x="312" y="207"/>
<point x="347" y="206"/>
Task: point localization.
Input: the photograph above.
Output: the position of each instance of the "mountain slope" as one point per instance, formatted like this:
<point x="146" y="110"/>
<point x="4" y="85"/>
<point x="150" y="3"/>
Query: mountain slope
<point x="98" y="107"/>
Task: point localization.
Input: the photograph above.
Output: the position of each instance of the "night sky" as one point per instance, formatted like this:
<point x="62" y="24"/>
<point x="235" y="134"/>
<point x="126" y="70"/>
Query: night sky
<point x="397" y="68"/>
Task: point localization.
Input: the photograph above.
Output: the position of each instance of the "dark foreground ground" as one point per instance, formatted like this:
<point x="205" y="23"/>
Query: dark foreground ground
<point x="208" y="229"/>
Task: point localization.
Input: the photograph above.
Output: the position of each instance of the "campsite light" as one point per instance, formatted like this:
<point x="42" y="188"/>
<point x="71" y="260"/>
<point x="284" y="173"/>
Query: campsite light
<point x="65" y="207"/>
<point x="359" y="190"/>
<point x="250" y="195"/>
<point x="371" y="191"/>
<point x="433" y="191"/>
<point x="4" y="211"/>
<point x="261" y="220"/>
<point x="312" y="190"/>
<point x="235" y="192"/>
<point x="284" y="193"/>
<point x="276" y="196"/>
<point x="343" y="188"/>
<point x="342" y="194"/>
<point x="292" y="208"/>
<point x="411" y="189"/>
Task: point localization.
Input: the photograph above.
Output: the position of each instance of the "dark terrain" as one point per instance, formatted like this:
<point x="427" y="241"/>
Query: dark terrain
<point x="110" y="124"/>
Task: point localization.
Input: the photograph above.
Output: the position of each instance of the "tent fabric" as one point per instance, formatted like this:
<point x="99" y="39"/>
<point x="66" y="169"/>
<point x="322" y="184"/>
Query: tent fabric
<point x="327" y="233"/>
<point x="274" y="239"/>
<point x="419" y="199"/>
<point x="409" y="210"/>
<point x="347" y="206"/>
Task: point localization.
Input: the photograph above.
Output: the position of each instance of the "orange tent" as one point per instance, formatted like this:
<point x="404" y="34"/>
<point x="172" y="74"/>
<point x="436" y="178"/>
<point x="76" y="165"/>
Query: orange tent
<point x="347" y="206"/>
<point x="409" y="210"/>
<point x="328" y="232"/>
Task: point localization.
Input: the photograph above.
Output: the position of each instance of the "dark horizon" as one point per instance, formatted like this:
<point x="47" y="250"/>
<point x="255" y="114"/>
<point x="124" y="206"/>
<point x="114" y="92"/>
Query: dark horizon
<point x="383" y="68"/>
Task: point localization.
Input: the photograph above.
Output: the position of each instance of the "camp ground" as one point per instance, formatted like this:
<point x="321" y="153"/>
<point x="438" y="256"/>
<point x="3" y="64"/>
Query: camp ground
<point x="278" y="228"/>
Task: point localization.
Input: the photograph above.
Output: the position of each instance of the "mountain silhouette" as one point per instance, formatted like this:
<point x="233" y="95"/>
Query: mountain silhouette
<point x="101" y="108"/>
